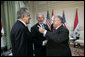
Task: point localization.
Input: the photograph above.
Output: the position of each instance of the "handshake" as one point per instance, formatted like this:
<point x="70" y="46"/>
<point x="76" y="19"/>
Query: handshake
<point x="41" y="30"/>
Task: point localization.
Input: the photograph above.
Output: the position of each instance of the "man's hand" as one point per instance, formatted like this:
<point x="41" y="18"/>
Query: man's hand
<point x="41" y="30"/>
<point x="44" y="43"/>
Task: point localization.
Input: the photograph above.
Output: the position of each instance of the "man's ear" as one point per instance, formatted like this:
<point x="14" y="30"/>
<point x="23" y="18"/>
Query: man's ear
<point x="22" y="16"/>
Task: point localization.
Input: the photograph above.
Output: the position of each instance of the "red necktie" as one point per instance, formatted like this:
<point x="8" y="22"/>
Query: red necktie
<point x="54" y="30"/>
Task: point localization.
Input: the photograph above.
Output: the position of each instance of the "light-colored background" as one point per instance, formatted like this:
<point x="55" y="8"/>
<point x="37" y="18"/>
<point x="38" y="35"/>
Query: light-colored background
<point x="69" y="7"/>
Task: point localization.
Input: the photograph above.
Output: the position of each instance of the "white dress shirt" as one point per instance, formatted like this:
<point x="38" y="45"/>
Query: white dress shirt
<point x="23" y="22"/>
<point x="46" y="31"/>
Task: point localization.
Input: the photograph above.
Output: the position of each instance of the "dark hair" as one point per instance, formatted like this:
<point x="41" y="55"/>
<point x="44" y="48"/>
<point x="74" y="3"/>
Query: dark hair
<point x="21" y="12"/>
<point x="60" y="18"/>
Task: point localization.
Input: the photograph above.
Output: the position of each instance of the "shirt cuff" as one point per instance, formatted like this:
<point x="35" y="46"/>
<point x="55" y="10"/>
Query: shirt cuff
<point x="44" y="42"/>
<point x="44" y="33"/>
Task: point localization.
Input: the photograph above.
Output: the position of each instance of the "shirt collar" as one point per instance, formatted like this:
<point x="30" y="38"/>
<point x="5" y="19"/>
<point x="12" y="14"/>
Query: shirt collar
<point x="40" y="24"/>
<point x="23" y="22"/>
<point x="58" y="27"/>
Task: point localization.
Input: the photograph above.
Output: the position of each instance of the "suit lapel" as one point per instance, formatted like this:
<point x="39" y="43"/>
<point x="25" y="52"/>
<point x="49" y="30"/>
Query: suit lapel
<point x="45" y="26"/>
<point x="59" y="29"/>
<point x="27" y="29"/>
<point x="21" y="23"/>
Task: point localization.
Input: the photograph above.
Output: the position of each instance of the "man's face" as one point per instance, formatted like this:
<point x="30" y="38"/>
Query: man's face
<point x="27" y="18"/>
<point x="56" y="22"/>
<point x="40" y="18"/>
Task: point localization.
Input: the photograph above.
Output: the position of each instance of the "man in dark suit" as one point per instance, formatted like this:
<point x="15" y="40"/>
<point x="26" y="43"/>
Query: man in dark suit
<point x="20" y="35"/>
<point x="40" y="42"/>
<point x="60" y="36"/>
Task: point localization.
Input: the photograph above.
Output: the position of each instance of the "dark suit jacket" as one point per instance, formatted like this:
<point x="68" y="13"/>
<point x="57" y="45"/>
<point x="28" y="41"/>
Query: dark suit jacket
<point x="58" y="42"/>
<point x="37" y="36"/>
<point x="21" y="40"/>
<point x="51" y="27"/>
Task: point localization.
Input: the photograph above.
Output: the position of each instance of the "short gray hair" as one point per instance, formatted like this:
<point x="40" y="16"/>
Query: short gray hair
<point x="21" y="12"/>
<point x="60" y="18"/>
<point x="40" y="14"/>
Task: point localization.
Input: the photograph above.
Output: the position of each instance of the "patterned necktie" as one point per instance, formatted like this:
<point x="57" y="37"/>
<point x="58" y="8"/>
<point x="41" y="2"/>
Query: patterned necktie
<point x="54" y="30"/>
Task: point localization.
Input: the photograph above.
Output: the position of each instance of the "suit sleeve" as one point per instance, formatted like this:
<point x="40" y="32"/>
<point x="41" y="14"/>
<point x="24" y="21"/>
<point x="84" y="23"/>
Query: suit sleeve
<point x="58" y="37"/>
<point x="33" y="32"/>
<point x="35" y="36"/>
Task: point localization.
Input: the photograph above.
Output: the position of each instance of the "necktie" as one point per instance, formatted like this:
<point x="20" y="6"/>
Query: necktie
<point x="54" y="30"/>
<point x="43" y="26"/>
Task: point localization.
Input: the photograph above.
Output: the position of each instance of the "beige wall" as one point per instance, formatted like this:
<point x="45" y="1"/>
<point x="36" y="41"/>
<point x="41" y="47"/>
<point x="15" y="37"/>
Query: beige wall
<point x="35" y="7"/>
<point x="69" y="8"/>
